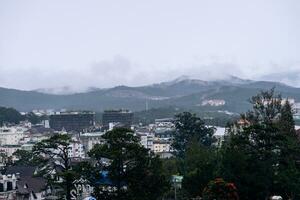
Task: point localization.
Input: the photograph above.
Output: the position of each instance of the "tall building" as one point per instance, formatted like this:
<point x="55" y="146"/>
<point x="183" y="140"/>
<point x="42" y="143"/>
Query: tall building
<point x="72" y="121"/>
<point x="124" y="117"/>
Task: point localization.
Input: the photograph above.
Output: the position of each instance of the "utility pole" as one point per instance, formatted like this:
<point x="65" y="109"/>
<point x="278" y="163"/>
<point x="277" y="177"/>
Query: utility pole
<point x="175" y="191"/>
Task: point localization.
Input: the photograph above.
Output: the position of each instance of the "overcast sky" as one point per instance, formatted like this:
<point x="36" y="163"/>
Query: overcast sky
<point x="82" y="43"/>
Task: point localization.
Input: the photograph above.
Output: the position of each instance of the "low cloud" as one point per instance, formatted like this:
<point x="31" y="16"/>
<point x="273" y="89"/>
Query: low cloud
<point x="122" y="71"/>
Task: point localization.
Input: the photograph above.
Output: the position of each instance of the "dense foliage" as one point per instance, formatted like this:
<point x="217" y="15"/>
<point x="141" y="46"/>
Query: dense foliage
<point x="260" y="154"/>
<point x="261" y="157"/>
<point x="196" y="156"/>
<point x="25" y="158"/>
<point x="211" y="116"/>
<point x="33" y="118"/>
<point x="12" y="116"/>
<point x="218" y="189"/>
<point x="133" y="171"/>
<point x="190" y="128"/>
<point x="55" y="162"/>
<point x="9" y="115"/>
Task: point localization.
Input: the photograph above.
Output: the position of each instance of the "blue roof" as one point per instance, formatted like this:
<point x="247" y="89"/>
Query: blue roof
<point x="105" y="180"/>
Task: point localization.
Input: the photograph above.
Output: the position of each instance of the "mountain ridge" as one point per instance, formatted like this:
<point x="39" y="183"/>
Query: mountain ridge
<point x="183" y="92"/>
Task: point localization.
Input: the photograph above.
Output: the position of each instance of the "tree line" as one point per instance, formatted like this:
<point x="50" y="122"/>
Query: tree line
<point x="259" y="157"/>
<point x="12" y="116"/>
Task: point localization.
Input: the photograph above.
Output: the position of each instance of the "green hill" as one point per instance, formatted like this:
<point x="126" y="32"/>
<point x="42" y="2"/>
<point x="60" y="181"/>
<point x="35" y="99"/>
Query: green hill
<point x="182" y="93"/>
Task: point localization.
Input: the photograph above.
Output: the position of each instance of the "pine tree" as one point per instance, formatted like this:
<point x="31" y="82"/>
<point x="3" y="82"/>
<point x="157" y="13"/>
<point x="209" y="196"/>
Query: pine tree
<point x="55" y="162"/>
<point x="133" y="171"/>
<point x="190" y="128"/>
<point x="287" y="179"/>
<point x="286" y="122"/>
<point x="259" y="148"/>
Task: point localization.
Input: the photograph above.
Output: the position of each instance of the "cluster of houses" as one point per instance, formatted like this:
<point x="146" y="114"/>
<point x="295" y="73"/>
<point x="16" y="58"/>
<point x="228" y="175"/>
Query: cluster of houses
<point x="20" y="182"/>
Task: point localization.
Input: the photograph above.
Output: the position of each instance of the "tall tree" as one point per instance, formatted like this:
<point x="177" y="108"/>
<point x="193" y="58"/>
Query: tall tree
<point x="286" y="120"/>
<point x="200" y="165"/>
<point x="254" y="154"/>
<point x="288" y="171"/>
<point x="55" y="163"/>
<point x="133" y="171"/>
<point x="25" y="158"/>
<point x="194" y="151"/>
<point x="190" y="128"/>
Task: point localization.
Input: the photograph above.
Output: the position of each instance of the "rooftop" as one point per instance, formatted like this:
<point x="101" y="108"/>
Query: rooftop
<point x="74" y="113"/>
<point x="118" y="111"/>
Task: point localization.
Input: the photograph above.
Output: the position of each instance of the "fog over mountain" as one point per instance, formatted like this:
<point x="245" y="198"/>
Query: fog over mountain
<point x="183" y="92"/>
<point x="290" y="79"/>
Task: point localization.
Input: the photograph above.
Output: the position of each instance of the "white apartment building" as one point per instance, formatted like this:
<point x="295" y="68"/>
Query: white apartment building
<point x="146" y="139"/>
<point x="11" y="135"/>
<point x="88" y="140"/>
<point x="76" y="150"/>
<point x="160" y="146"/>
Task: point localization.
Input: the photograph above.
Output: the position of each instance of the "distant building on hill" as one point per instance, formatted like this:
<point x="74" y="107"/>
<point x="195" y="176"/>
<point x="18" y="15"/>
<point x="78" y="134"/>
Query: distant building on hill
<point x="124" y="117"/>
<point x="213" y="102"/>
<point x="72" y="121"/>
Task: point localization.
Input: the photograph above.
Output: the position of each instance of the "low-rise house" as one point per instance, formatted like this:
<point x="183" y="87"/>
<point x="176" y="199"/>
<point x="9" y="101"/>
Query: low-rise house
<point x="25" y="185"/>
<point x="8" y="186"/>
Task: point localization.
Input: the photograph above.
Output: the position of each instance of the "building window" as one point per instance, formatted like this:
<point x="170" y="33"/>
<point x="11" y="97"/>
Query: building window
<point x="9" y="186"/>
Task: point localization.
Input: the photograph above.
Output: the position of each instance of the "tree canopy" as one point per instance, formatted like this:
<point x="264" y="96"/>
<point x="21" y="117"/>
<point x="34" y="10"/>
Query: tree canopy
<point x="9" y="115"/>
<point x="55" y="163"/>
<point x="261" y="156"/>
<point x="133" y="171"/>
<point x="190" y="128"/>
